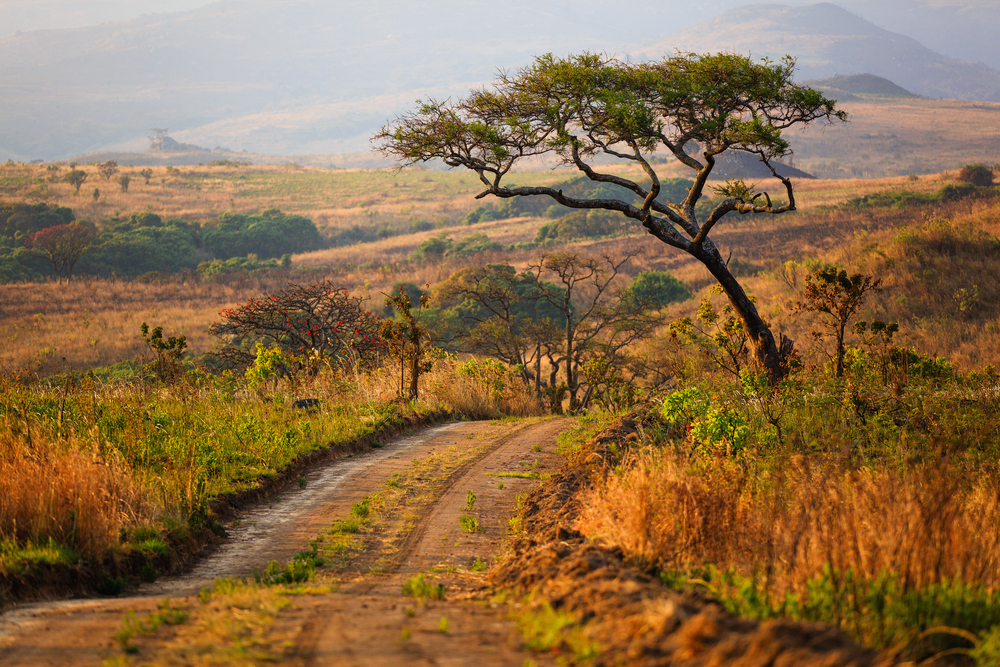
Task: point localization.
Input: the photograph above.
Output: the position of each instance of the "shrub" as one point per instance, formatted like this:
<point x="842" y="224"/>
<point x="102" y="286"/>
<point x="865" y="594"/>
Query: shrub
<point x="977" y="174"/>
<point x="657" y="289"/>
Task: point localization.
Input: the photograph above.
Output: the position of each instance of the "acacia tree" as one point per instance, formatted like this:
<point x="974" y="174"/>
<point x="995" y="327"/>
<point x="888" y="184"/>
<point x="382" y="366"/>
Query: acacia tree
<point x="63" y="245"/>
<point x="586" y="106"/>
<point x="313" y="324"/>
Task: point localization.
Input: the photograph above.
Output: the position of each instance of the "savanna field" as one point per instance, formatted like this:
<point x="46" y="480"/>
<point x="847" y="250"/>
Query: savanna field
<point x="147" y="386"/>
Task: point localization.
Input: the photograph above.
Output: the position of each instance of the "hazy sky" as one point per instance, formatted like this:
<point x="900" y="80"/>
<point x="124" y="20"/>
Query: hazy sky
<point x="28" y="15"/>
<point x="42" y="14"/>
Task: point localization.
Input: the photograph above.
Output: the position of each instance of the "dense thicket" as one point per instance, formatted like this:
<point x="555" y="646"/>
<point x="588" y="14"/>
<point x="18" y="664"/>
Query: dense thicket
<point x="144" y="242"/>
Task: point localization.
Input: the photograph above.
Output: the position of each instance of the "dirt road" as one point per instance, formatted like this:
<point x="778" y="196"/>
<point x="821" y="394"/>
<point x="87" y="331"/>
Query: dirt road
<point x="363" y="619"/>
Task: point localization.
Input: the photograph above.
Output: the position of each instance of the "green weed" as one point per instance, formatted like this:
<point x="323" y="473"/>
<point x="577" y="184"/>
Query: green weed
<point x="419" y="587"/>
<point x="469" y="523"/>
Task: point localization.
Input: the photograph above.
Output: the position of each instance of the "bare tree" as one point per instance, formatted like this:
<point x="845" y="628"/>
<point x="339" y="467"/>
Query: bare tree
<point x="598" y="319"/>
<point x="586" y="106"/>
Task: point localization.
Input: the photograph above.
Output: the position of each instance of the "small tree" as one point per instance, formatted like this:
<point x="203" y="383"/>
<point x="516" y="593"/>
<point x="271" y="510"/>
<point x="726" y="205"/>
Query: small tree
<point x="96" y="194"/>
<point x="108" y="169"/>
<point x="76" y="177"/>
<point x="123" y="181"/>
<point x="693" y="107"/>
<point x="502" y="314"/>
<point x="64" y="245"/>
<point x="598" y="320"/>
<point x="168" y="352"/>
<point x="157" y="137"/>
<point x="409" y="336"/>
<point x="146" y="174"/>
<point x="312" y="324"/>
<point x="833" y="293"/>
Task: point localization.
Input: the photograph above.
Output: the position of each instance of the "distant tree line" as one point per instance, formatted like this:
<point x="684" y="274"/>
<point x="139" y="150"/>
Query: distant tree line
<point x="37" y="240"/>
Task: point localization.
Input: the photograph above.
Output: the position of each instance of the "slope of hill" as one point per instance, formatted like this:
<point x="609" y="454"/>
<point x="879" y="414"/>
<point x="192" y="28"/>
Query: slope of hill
<point x="858" y="86"/>
<point x="828" y="41"/>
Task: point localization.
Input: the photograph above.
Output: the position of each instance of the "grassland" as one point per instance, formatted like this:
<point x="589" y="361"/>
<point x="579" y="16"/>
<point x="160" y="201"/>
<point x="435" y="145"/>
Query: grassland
<point x="905" y="439"/>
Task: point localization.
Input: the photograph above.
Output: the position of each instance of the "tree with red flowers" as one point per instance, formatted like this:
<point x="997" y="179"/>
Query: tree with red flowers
<point x="313" y="324"/>
<point x="64" y="245"/>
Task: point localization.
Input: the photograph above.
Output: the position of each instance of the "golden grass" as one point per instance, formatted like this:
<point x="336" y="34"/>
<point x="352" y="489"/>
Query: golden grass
<point x="475" y="399"/>
<point x="899" y="137"/>
<point x="927" y="524"/>
<point x="57" y="491"/>
<point x="95" y="322"/>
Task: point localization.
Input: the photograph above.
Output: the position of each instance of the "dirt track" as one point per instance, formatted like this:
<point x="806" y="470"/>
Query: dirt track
<point x="365" y="620"/>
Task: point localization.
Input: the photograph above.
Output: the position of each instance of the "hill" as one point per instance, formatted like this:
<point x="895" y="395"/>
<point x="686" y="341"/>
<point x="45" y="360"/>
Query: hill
<point x="830" y="41"/>
<point x="859" y="86"/>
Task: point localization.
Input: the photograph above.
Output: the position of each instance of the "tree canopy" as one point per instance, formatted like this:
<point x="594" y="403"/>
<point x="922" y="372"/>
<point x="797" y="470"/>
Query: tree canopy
<point x="693" y="107"/>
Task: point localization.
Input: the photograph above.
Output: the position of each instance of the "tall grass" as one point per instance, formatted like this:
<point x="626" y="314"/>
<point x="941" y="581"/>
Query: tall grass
<point x="885" y="554"/>
<point x="54" y="491"/>
<point x="101" y="468"/>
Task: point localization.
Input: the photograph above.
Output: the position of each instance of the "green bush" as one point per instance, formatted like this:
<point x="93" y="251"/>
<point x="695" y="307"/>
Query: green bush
<point x="657" y="289"/>
<point x="268" y="235"/>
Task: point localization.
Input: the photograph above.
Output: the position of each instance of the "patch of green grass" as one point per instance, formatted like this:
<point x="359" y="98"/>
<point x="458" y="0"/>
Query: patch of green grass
<point x="479" y="565"/>
<point x="879" y="613"/>
<point x="469" y="523"/>
<point x="131" y="627"/>
<point x="17" y="559"/>
<point x="545" y="629"/>
<point x="520" y="475"/>
<point x="419" y="587"/>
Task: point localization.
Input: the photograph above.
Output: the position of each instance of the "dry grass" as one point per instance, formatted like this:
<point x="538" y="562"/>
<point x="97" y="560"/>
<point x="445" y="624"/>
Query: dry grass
<point x="46" y="327"/>
<point x="928" y="524"/>
<point x="472" y="397"/>
<point x="899" y="137"/>
<point x="51" y="490"/>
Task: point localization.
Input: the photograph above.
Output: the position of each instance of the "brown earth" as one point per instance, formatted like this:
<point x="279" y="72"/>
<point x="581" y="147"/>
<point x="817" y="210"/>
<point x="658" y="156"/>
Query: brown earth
<point x="362" y="620"/>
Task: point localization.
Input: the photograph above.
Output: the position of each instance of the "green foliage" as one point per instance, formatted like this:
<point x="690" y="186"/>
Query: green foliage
<point x="143" y="243"/>
<point x="901" y="199"/>
<point x="442" y="247"/>
<point x="656" y="289"/>
<point x="469" y="523"/>
<point x="491" y="374"/>
<point x="881" y="613"/>
<point x="267" y="366"/>
<point x="218" y="268"/>
<point x="719" y="337"/>
<point x="419" y="587"/>
<point x="268" y="235"/>
<point x="470" y="500"/>
<point x="18" y="220"/>
<point x="300" y="569"/>
<point x="714" y="424"/>
<point x="168" y="352"/>
<point x="580" y="225"/>
<point x="838" y="296"/>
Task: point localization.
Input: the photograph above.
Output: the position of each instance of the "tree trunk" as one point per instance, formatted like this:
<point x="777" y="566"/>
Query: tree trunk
<point x="538" y="371"/>
<point x="415" y="369"/>
<point x="759" y="337"/>
<point x="570" y="374"/>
